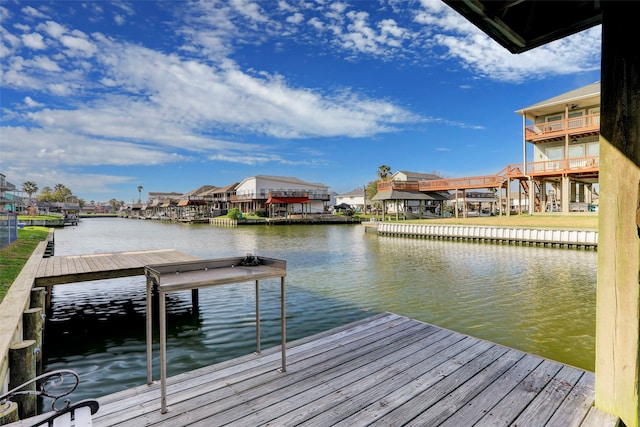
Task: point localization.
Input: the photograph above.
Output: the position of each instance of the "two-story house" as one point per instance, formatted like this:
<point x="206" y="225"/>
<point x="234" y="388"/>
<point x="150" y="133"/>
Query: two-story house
<point x="280" y="196"/>
<point x="563" y="161"/>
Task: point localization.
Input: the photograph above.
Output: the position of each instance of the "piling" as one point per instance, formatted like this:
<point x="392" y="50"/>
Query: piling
<point x="33" y="324"/>
<point x="22" y="369"/>
<point x="8" y="413"/>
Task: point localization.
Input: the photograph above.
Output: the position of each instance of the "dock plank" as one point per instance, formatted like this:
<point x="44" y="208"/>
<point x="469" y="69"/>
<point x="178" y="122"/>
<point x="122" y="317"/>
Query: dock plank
<point x="384" y="370"/>
<point x="78" y="268"/>
<point x="516" y="401"/>
<point x="186" y="385"/>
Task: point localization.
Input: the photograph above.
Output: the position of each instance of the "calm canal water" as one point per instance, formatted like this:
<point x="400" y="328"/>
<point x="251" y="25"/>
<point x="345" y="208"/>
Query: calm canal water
<point x="539" y="300"/>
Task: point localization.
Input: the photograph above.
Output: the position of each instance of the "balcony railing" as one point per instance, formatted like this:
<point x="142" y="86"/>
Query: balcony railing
<point x="561" y="166"/>
<point x="248" y="197"/>
<point x="279" y="194"/>
<point x="571" y="125"/>
<point x="398" y="185"/>
<point x="487" y="181"/>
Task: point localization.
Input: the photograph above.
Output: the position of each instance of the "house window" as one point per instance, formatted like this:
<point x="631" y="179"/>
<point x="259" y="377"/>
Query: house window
<point x="554" y="154"/>
<point x="553" y="123"/>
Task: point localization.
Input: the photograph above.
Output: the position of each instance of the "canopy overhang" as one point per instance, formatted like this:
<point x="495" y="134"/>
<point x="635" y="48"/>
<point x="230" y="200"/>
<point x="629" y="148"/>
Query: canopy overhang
<point x="407" y="195"/>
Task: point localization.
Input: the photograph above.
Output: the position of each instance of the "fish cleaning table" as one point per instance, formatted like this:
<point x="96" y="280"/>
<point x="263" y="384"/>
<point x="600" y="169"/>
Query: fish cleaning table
<point x="192" y="275"/>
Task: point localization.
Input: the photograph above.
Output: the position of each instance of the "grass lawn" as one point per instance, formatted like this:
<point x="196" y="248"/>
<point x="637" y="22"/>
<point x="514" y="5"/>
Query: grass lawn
<point x="580" y="221"/>
<point x="14" y="256"/>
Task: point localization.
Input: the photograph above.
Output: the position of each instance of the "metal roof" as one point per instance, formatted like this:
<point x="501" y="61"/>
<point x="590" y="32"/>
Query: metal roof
<point x="588" y="95"/>
<point x="521" y="25"/>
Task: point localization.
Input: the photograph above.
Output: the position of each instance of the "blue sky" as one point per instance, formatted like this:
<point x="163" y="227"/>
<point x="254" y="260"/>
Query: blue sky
<point x="171" y="95"/>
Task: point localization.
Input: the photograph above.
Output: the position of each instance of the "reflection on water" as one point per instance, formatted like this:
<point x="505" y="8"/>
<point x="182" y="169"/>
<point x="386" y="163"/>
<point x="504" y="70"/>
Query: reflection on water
<point x="539" y="300"/>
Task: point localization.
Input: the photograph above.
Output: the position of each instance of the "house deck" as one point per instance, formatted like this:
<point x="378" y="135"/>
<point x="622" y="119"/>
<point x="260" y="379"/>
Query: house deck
<point x="383" y="370"/>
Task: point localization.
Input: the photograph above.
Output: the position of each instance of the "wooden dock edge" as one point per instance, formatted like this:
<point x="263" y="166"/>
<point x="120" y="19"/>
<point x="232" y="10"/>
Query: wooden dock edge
<point x="14" y="304"/>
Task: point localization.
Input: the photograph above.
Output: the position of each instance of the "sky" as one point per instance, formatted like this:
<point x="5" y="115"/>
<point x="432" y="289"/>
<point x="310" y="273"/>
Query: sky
<point x="104" y="97"/>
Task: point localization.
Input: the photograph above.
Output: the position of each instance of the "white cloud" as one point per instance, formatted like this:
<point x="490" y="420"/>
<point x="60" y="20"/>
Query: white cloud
<point x="53" y="29"/>
<point x="31" y="103"/>
<point x="249" y="9"/>
<point x="78" y="44"/>
<point x="53" y="148"/>
<point x="45" y="63"/>
<point x="33" y="41"/>
<point x="296" y="18"/>
<point x="477" y="52"/>
<point x="32" y="12"/>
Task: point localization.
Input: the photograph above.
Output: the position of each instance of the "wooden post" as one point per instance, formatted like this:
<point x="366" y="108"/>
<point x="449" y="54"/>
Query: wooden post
<point x="195" y="301"/>
<point x="33" y="324"/>
<point x="22" y="368"/>
<point x="37" y="298"/>
<point x="8" y="413"/>
<point x="618" y="296"/>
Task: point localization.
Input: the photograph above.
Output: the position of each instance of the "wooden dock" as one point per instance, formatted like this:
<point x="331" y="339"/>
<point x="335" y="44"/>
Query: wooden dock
<point x="383" y="370"/>
<point x="56" y="270"/>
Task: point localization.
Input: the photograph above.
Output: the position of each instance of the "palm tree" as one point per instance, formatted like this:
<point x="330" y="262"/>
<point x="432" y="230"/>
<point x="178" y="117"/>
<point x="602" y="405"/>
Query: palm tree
<point x="140" y="187"/>
<point x="30" y="188"/>
<point x="383" y="172"/>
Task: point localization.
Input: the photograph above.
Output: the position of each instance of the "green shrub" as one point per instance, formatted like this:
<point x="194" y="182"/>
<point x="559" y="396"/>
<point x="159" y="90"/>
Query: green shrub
<point x="234" y="213"/>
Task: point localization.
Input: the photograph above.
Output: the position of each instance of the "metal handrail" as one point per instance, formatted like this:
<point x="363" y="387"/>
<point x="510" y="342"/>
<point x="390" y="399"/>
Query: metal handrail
<point x="51" y="379"/>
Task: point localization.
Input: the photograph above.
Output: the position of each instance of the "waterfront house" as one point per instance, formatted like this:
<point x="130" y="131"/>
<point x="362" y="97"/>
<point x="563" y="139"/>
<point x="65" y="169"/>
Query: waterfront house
<point x="8" y="197"/>
<point x="193" y="205"/>
<point x="280" y="196"/>
<point x="564" y="159"/>
<point x="355" y="198"/>
<point x="219" y="199"/>
<point x="561" y="141"/>
<point x="401" y="196"/>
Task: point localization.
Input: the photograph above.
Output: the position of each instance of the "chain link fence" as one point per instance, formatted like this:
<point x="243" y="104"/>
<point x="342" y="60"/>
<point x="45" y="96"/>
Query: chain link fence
<point x="8" y="228"/>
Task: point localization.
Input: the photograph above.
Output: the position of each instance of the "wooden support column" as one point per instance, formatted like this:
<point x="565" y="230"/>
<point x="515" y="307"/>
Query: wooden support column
<point x="33" y="324"/>
<point x="618" y="297"/>
<point x="37" y="299"/>
<point x="195" y="301"/>
<point x="508" y="208"/>
<point x="22" y="368"/>
<point x="565" y="194"/>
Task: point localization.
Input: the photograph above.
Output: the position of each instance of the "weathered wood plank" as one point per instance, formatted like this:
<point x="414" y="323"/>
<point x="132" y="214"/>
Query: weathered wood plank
<point x="598" y="418"/>
<point x="547" y="402"/>
<point x="403" y="402"/>
<point x="300" y="359"/>
<point x="77" y="268"/>
<point x="577" y="403"/>
<point x="337" y="376"/>
<point x="461" y="396"/>
<point x="477" y="407"/>
<point x="386" y="370"/>
<point x="517" y="399"/>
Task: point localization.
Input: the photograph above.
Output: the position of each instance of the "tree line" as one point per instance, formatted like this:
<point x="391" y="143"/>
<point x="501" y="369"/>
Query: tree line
<point x="60" y="193"/>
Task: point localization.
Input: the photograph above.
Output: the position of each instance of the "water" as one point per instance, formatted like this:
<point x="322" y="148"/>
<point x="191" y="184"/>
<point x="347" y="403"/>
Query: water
<point x="539" y="300"/>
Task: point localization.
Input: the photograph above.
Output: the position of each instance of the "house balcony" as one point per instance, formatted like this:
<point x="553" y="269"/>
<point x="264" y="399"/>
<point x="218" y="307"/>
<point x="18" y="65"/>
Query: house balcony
<point x="446" y="184"/>
<point x="557" y="130"/>
<point x="248" y="197"/>
<point x="573" y="166"/>
<point x="398" y="185"/>
<point x="298" y="194"/>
